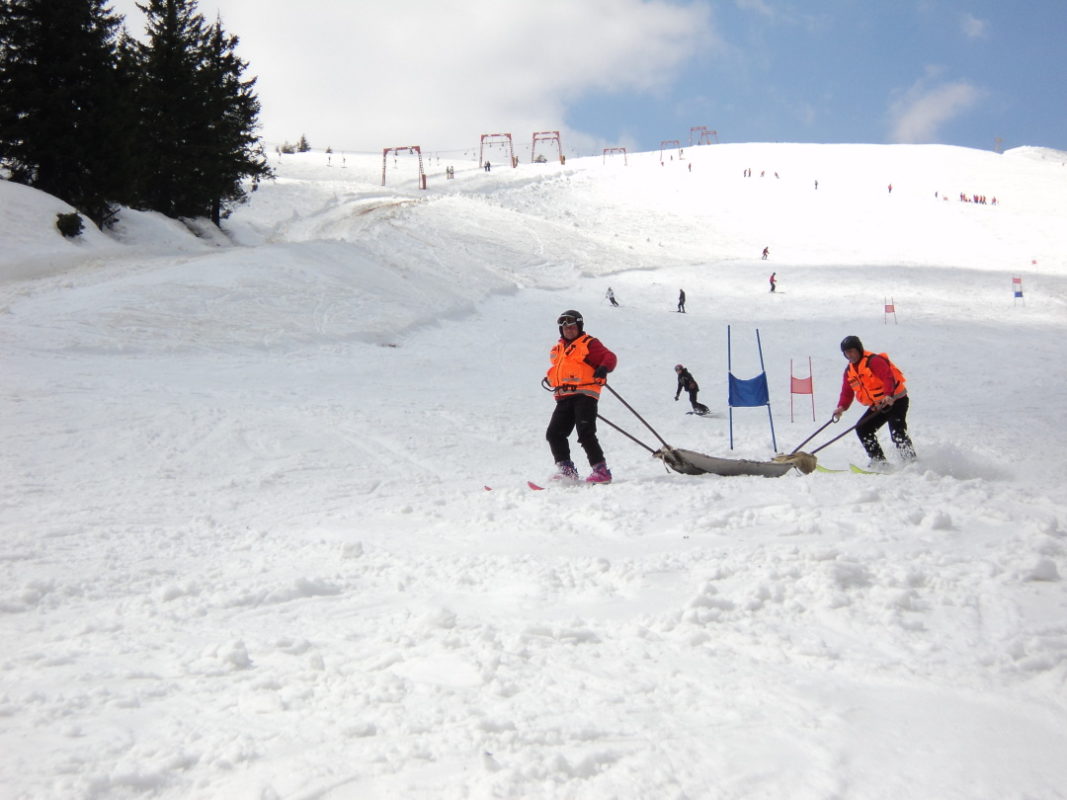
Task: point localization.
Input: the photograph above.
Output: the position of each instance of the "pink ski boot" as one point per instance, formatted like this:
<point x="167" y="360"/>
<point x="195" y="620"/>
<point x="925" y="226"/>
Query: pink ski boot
<point x="600" y="474"/>
<point x="567" y="472"/>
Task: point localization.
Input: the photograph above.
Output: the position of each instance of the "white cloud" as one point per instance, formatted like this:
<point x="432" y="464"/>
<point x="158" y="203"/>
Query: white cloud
<point x="438" y="73"/>
<point x="974" y="28"/>
<point x="918" y="113"/>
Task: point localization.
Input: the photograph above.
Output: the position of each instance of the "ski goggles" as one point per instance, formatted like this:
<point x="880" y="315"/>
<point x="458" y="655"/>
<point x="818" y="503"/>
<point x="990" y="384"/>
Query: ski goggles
<point x="567" y="319"/>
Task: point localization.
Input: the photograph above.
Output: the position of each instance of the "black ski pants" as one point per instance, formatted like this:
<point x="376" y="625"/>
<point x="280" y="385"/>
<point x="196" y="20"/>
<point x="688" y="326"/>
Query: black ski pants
<point x="896" y="417"/>
<point x="575" y="412"/>
<point x="698" y="407"/>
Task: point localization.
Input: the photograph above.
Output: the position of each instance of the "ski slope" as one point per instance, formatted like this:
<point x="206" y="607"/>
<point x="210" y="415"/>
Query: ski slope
<point x="245" y="545"/>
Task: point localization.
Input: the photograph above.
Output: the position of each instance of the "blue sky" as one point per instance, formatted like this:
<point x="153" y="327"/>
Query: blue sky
<point x="364" y="74"/>
<point x="952" y="72"/>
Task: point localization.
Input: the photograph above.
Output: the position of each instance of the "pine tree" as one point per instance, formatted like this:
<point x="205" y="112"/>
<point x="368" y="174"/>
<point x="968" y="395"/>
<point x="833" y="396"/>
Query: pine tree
<point x="196" y="140"/>
<point x="62" y="117"/>
<point x="237" y="153"/>
<point x="170" y="133"/>
<point x="302" y="146"/>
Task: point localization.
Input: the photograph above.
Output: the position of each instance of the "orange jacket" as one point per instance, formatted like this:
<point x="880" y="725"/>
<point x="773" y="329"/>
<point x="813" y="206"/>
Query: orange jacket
<point x="573" y="364"/>
<point x="869" y="385"/>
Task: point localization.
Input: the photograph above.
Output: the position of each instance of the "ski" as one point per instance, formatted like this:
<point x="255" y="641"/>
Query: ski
<point x="861" y="471"/>
<point x="539" y="488"/>
<point x="853" y="468"/>
<point x="530" y="484"/>
<point x="563" y="485"/>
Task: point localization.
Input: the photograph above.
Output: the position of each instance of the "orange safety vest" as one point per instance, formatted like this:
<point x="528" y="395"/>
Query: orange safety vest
<point x="867" y="386"/>
<point x="569" y="373"/>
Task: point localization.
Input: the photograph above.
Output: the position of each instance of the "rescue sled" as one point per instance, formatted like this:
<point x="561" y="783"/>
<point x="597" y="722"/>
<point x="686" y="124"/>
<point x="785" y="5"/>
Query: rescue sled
<point x="689" y="462"/>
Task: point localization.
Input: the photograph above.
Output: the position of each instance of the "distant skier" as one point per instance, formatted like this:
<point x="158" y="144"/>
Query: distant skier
<point x="611" y="297"/>
<point x="774" y="282"/>
<point x="580" y="367"/>
<point x="681" y="300"/>
<point x="488" y="167"/>
<point x="688" y="383"/>
<point x="766" y="253"/>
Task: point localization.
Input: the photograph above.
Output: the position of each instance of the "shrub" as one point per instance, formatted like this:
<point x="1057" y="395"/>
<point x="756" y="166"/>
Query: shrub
<point x="70" y="225"/>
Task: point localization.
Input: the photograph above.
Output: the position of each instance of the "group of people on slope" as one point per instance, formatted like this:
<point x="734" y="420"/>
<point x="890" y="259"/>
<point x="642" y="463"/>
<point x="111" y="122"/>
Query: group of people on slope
<point x="580" y="364"/>
<point x="610" y="294"/>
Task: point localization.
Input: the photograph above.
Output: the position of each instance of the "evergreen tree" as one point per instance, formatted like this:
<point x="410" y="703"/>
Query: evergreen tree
<point x="302" y="146"/>
<point x="170" y="132"/>
<point x="237" y="153"/>
<point x="62" y="117"/>
<point x="196" y="138"/>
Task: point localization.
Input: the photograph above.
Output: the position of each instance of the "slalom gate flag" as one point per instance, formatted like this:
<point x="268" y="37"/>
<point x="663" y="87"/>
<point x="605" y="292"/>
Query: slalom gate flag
<point x="889" y="307"/>
<point x="801" y="386"/>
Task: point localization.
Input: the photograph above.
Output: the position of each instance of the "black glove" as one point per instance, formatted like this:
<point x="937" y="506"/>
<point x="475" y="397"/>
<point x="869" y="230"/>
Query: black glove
<point x="600" y="372"/>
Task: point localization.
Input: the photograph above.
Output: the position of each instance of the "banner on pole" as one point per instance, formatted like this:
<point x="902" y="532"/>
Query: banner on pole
<point x="748" y="393"/>
<point x="889" y="307"/>
<point x="801" y="386"/>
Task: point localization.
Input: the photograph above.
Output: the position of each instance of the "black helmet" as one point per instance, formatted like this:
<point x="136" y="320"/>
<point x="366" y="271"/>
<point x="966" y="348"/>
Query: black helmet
<point x="568" y="316"/>
<point x="851" y="343"/>
<point x="678" y="367"/>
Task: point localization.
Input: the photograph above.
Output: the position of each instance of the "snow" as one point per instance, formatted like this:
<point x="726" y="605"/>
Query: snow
<point x="246" y="549"/>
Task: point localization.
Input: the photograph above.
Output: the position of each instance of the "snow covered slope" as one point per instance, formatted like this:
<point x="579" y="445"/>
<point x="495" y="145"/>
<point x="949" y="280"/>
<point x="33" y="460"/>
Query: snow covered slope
<point x="246" y="552"/>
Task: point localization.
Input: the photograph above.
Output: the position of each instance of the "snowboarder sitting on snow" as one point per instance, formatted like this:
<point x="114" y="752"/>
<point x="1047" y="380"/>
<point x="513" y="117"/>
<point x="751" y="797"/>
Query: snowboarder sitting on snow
<point x="689" y="384"/>
<point x="580" y="367"/>
<point x="875" y="381"/>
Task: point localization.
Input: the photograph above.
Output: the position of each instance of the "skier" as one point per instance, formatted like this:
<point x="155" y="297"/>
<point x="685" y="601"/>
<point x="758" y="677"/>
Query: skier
<point x="766" y="252"/>
<point x="681" y="300"/>
<point x="875" y="381"/>
<point x="611" y="296"/>
<point x="689" y="384"/>
<point x="773" y="281"/>
<point x="580" y="367"/>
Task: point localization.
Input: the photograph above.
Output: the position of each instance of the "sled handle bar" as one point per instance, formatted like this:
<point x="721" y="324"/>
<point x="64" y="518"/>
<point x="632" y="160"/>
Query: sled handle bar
<point x="629" y="436"/>
<point x="870" y="412"/>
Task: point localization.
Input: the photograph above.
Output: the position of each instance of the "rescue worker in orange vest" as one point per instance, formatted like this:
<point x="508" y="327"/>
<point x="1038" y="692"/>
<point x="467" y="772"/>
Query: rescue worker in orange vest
<point x="876" y="382"/>
<point x="580" y="366"/>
